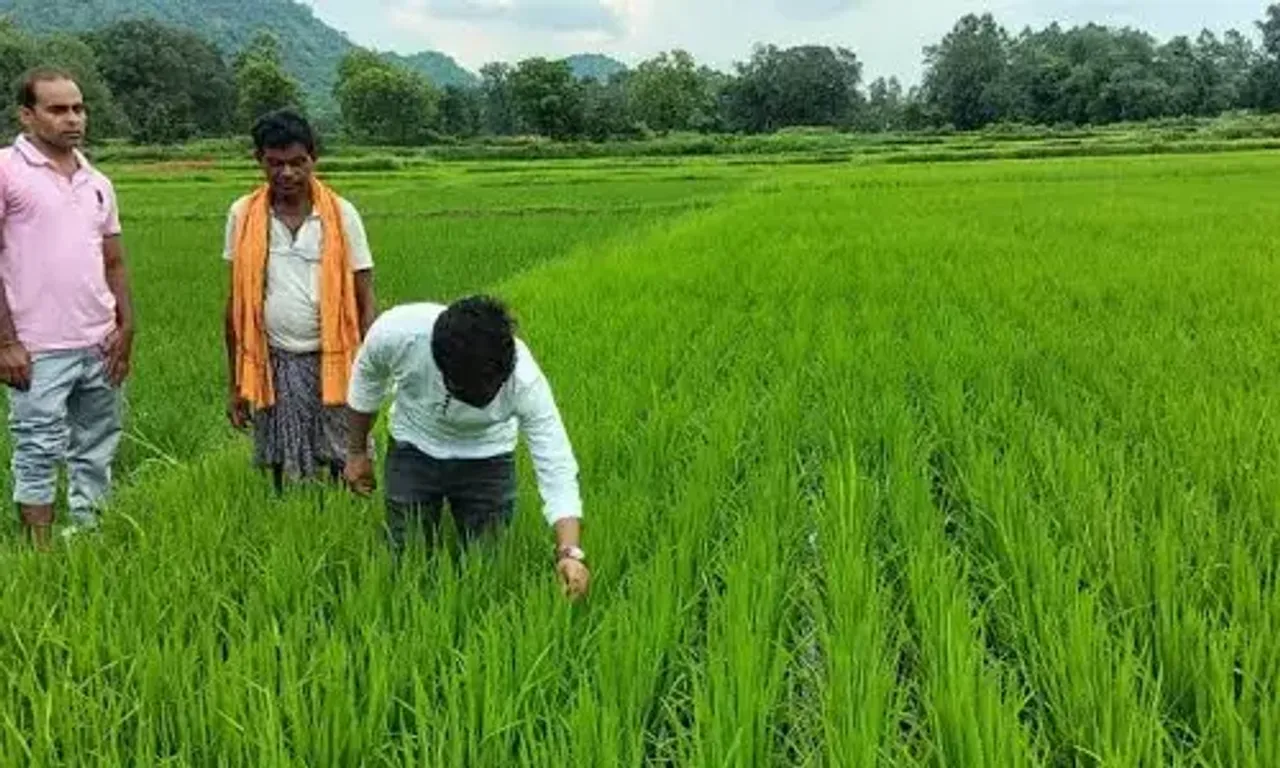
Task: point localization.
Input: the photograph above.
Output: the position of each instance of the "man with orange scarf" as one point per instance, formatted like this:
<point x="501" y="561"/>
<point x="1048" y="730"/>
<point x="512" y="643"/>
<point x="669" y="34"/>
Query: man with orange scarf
<point x="300" y="302"/>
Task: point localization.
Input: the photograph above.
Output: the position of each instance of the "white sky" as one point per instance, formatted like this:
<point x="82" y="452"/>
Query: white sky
<point x="887" y="35"/>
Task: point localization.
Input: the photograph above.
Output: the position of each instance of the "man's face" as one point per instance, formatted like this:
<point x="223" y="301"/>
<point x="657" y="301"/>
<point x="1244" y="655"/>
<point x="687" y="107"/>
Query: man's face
<point x="476" y="387"/>
<point x="478" y="394"/>
<point x="288" y="170"/>
<point x="59" y="117"/>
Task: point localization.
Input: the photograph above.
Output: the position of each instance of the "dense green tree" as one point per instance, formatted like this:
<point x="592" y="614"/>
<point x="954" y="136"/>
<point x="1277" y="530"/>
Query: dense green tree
<point x="886" y="105"/>
<point x="1234" y="58"/>
<point x="606" y="111"/>
<point x="384" y="103"/>
<point x="460" y="111"/>
<point x="1264" y="85"/>
<point x="262" y="85"/>
<point x="717" y="94"/>
<point x="1087" y="74"/>
<point x="357" y="61"/>
<point x="966" y="75"/>
<point x="171" y="84"/>
<point x="667" y="92"/>
<point x="915" y="112"/>
<point x="1187" y="85"/>
<point x="498" y="115"/>
<point x="17" y="54"/>
<point x="547" y="97"/>
<point x="1269" y="26"/>
<point x="806" y="85"/>
<point x="1038" y="67"/>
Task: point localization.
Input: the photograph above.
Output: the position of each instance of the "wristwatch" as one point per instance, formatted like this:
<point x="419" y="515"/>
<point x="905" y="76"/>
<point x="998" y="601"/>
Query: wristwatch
<point x="571" y="553"/>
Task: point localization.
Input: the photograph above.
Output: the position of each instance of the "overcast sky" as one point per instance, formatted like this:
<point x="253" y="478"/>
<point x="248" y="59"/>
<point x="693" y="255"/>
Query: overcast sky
<point x="887" y="34"/>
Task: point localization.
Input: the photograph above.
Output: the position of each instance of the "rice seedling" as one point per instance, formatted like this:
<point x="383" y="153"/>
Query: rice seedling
<point x="966" y="464"/>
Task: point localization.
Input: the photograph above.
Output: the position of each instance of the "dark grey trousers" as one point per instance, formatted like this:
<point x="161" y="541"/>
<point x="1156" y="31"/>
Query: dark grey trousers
<point x="481" y="494"/>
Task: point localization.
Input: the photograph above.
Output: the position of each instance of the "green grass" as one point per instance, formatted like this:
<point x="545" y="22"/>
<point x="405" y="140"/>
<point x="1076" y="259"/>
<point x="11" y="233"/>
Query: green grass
<point x="960" y="464"/>
<point x="433" y="238"/>
<point x="1229" y="132"/>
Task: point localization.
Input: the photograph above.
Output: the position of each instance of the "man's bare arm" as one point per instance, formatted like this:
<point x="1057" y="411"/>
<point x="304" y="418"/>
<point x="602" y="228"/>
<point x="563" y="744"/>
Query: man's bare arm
<point x="8" y="332"/>
<point x="229" y="340"/>
<point x="120" y="343"/>
<point x="118" y="282"/>
<point x="568" y="533"/>
<point x="365" y="395"/>
<point x="358" y="471"/>
<point x="366" y="302"/>
<point x="15" y="361"/>
<point x="237" y="408"/>
<point x="359" y="426"/>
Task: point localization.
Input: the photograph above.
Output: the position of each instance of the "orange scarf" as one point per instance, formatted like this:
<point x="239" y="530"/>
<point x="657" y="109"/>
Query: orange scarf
<point x="339" y="316"/>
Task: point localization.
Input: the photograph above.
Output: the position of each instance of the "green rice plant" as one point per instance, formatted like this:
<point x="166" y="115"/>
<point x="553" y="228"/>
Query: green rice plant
<point x="964" y="464"/>
<point x="861" y="636"/>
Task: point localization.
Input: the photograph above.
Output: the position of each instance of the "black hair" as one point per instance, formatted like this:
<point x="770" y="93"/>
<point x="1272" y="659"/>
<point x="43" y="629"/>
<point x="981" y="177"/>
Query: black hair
<point x="281" y="129"/>
<point x="26" y="94"/>
<point x="474" y="346"/>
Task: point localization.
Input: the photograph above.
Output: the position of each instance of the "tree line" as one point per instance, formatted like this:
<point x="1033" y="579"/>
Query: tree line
<point x="980" y="74"/>
<point x="156" y="84"/>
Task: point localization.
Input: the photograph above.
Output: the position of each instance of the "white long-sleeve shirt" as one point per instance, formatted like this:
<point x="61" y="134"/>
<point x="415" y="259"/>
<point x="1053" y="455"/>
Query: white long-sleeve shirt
<point x="396" y="355"/>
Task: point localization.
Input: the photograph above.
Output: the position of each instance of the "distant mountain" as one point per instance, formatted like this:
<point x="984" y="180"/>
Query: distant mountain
<point x="439" y="68"/>
<point x="311" y="48"/>
<point x="595" y="66"/>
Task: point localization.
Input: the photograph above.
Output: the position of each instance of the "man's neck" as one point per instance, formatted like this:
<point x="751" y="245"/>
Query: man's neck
<point x="298" y="203"/>
<point x="63" y="158"/>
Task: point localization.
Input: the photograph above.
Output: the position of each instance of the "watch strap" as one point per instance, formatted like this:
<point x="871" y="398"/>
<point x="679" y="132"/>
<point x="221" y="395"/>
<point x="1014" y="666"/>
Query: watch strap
<point x="570" y="553"/>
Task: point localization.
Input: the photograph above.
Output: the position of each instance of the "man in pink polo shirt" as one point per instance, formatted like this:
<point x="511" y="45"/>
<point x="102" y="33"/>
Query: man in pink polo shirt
<point x="66" y="319"/>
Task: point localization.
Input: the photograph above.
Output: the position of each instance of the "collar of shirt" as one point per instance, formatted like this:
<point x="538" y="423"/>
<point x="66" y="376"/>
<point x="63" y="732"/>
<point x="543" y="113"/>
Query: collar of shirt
<point x="280" y="228"/>
<point x="312" y="215"/>
<point x="32" y="154"/>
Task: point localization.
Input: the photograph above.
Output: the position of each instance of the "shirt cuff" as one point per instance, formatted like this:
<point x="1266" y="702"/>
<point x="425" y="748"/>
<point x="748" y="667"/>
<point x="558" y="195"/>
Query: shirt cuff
<point x="563" y="512"/>
<point x="364" y="403"/>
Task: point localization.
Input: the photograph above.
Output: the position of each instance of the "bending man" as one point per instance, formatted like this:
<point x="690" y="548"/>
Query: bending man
<point x="464" y="389"/>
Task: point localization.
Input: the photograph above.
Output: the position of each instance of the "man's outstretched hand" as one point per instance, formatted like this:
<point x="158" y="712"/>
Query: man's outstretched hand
<point x="359" y="474"/>
<point x="575" y="578"/>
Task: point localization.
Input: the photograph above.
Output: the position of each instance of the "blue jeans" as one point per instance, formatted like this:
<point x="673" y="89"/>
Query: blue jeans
<point x="70" y="414"/>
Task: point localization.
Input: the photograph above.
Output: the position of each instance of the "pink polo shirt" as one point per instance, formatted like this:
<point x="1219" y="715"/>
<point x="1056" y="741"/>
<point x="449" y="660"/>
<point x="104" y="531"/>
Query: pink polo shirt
<point x="51" y="260"/>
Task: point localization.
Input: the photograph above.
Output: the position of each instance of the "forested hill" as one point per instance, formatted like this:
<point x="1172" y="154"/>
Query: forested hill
<point x="311" y="48"/>
<point x="595" y="66"/>
<point x="439" y="68"/>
